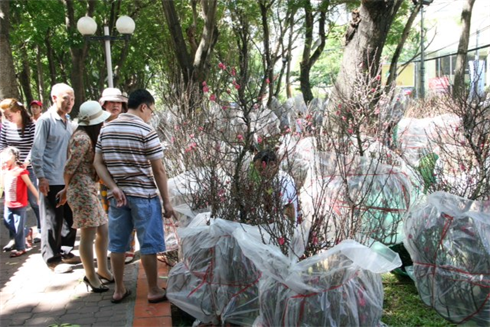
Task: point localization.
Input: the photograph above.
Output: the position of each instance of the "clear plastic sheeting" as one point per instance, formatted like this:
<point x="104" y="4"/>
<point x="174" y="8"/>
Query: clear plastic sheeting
<point x="215" y="282"/>
<point x="299" y="156"/>
<point x="339" y="287"/>
<point x="448" y="238"/>
<point x="413" y="136"/>
<point x="170" y="234"/>
<point x="361" y="192"/>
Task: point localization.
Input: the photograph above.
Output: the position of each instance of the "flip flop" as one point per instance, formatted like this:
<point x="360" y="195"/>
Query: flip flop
<point x="160" y="299"/>
<point x="17" y="253"/>
<point x="129" y="257"/>
<point x="128" y="293"/>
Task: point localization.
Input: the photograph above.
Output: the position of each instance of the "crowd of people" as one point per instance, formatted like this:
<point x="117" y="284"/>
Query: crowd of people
<point x="102" y="174"/>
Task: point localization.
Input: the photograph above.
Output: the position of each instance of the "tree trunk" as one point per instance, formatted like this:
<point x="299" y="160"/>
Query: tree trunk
<point x="242" y="31"/>
<point x="267" y="60"/>
<point x="8" y="83"/>
<point x="77" y="55"/>
<point x="193" y="68"/>
<point x="309" y="59"/>
<point x="396" y="55"/>
<point x="289" y="88"/>
<point x="208" y="38"/>
<point x="459" y="85"/>
<point x="365" y="39"/>
<point x="51" y="59"/>
<point x="42" y="95"/>
<point x="77" y="60"/>
<point x="180" y="48"/>
<point x="25" y="76"/>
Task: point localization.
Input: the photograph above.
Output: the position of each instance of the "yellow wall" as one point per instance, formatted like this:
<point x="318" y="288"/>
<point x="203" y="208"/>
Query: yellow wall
<point x="406" y="78"/>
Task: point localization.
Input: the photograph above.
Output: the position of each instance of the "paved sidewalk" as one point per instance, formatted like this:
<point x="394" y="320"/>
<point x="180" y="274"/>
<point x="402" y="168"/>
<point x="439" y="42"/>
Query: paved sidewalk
<point x="33" y="295"/>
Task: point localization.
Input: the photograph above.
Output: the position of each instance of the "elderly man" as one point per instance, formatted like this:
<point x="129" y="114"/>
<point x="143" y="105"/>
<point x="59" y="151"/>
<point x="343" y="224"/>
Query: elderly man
<point x="128" y="158"/>
<point x="53" y="131"/>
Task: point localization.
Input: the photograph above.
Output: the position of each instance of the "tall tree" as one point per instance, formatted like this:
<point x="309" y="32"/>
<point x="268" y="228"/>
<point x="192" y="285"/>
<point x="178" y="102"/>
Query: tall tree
<point x="193" y="62"/>
<point x="8" y="84"/>
<point x="310" y="53"/>
<point x="464" y="39"/>
<point x="365" y="39"/>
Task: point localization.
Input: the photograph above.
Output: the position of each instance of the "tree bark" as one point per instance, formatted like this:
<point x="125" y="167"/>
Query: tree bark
<point x="77" y="55"/>
<point x="40" y="77"/>
<point x="289" y="88"/>
<point x="51" y="59"/>
<point x="365" y="40"/>
<point x="396" y="55"/>
<point x="309" y="59"/>
<point x="459" y="85"/>
<point x="267" y="58"/>
<point x="242" y="30"/>
<point x="25" y="75"/>
<point x="180" y="47"/>
<point x="208" y="38"/>
<point x="8" y="83"/>
<point x="193" y="68"/>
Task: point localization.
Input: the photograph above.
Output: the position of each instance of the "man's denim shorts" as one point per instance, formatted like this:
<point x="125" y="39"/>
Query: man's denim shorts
<point x="142" y="214"/>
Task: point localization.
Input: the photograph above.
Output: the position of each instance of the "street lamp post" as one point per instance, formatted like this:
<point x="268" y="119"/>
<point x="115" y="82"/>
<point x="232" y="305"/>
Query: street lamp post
<point x="125" y="25"/>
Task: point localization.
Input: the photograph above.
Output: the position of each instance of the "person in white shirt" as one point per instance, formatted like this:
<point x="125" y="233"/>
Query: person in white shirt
<point x="267" y="165"/>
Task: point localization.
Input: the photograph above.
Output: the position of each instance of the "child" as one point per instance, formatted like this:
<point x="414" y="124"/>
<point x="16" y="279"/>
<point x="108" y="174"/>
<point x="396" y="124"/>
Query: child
<point x="16" y="181"/>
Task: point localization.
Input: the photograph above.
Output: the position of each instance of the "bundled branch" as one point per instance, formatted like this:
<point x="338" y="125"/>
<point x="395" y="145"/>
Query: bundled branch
<point x="448" y="240"/>
<point x="349" y="184"/>
<point x="451" y="150"/>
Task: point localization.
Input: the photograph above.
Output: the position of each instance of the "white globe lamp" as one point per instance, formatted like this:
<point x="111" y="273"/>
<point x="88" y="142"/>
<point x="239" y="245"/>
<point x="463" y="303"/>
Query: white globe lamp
<point x="86" y="26"/>
<point x="125" y="25"/>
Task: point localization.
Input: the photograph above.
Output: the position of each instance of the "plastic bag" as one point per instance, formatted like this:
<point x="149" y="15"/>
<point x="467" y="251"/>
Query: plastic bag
<point x="414" y="136"/>
<point x="339" y="287"/>
<point x="361" y="192"/>
<point x="170" y="233"/>
<point x="448" y="238"/>
<point x="215" y="282"/>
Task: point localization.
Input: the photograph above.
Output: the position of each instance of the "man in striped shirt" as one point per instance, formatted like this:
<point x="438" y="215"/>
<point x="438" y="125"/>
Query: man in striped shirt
<point x="128" y="159"/>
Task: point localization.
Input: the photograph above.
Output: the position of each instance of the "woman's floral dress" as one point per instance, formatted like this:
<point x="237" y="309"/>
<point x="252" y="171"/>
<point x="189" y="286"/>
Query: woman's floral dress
<point x="81" y="194"/>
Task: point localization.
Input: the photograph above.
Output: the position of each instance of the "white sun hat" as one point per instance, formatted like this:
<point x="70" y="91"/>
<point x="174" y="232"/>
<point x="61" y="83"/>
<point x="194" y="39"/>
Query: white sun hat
<point x="112" y="94"/>
<point x="91" y="113"/>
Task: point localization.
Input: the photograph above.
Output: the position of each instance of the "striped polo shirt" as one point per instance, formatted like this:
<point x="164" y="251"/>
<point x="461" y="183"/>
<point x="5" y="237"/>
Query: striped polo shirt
<point x="127" y="145"/>
<point x="11" y="135"/>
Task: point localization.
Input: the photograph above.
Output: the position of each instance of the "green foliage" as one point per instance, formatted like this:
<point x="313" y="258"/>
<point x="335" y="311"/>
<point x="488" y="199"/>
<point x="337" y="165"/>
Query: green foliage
<point x="412" y="44"/>
<point x="149" y="60"/>
<point x="324" y="72"/>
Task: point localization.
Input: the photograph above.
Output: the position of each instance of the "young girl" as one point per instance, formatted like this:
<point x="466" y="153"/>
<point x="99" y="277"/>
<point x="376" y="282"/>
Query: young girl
<point x="16" y="182"/>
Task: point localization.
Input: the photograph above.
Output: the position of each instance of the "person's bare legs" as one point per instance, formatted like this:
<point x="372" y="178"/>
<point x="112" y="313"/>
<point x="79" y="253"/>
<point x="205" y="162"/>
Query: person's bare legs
<point x="101" y="243"/>
<point x="150" y="265"/>
<point x="117" y="263"/>
<point x="87" y="235"/>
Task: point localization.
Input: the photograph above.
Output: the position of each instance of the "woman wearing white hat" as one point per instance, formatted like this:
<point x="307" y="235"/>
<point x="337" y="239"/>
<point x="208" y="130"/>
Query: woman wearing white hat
<point x="81" y="193"/>
<point x="114" y="102"/>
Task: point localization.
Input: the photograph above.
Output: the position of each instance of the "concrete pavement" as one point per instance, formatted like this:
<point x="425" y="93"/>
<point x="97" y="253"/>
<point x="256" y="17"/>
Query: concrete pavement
<point x="32" y="295"/>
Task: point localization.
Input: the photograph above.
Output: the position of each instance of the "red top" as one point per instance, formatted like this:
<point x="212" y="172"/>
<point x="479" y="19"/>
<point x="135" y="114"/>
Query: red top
<point x="15" y="187"/>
